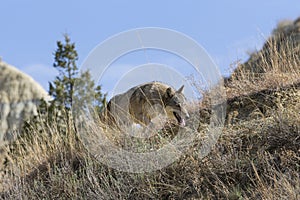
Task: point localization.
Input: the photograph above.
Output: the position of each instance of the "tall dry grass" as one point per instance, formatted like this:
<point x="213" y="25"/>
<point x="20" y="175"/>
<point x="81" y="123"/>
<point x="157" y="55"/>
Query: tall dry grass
<point x="274" y="66"/>
<point x="253" y="159"/>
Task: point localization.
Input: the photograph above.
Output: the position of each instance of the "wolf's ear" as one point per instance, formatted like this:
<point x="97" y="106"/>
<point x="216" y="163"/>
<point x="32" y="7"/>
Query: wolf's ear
<point x="169" y="92"/>
<point x="180" y="90"/>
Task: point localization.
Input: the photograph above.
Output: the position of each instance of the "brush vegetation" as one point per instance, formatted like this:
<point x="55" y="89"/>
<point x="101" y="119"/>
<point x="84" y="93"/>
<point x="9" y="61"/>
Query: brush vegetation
<point x="256" y="157"/>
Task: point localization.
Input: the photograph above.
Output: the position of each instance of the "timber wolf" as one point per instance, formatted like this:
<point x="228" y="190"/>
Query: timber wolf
<point x="142" y="103"/>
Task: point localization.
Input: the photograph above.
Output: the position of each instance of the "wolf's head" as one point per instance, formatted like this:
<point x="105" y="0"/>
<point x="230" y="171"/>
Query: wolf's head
<point x="175" y="105"/>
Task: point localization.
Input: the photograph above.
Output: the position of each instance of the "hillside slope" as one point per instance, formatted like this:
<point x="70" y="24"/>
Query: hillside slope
<point x="256" y="157"/>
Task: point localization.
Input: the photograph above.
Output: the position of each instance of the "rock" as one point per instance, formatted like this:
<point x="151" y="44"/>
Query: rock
<point x="19" y="97"/>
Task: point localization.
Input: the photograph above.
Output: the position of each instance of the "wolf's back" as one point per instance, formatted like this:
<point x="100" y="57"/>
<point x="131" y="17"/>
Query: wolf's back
<point x="118" y="108"/>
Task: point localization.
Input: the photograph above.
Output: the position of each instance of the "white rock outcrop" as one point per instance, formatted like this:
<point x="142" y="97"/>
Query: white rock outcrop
<point x="19" y="96"/>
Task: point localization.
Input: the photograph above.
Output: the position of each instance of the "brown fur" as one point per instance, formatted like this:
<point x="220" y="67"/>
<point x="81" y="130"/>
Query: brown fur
<point x="142" y="103"/>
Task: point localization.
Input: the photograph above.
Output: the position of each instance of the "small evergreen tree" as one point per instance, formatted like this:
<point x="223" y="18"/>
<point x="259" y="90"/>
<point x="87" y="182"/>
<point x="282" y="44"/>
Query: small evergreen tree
<point x="62" y="88"/>
<point x="72" y="91"/>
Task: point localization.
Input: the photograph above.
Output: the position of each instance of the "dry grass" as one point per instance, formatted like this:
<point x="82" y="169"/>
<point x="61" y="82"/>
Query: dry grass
<point x="253" y="159"/>
<point x="274" y="66"/>
<point x="256" y="157"/>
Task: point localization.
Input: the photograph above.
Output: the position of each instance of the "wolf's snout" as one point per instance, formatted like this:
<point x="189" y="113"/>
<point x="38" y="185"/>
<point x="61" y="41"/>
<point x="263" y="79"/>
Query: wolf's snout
<point x="181" y="117"/>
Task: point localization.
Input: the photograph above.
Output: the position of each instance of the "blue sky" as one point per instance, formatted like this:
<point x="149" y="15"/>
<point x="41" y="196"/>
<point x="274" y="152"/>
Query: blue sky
<point x="226" y="29"/>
